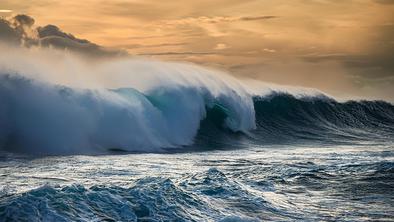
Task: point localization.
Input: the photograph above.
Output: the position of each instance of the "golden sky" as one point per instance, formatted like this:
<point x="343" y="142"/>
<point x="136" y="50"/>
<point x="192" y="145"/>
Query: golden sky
<point x="338" y="46"/>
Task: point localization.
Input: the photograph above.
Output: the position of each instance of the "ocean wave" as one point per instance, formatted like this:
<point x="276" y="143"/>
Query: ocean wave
<point x="149" y="198"/>
<point x="194" y="198"/>
<point x="58" y="119"/>
<point x="181" y="106"/>
<point x="285" y="117"/>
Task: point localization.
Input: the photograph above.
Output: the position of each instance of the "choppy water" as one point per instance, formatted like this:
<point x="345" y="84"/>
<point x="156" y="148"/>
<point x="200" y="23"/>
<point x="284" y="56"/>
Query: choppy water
<point x="337" y="183"/>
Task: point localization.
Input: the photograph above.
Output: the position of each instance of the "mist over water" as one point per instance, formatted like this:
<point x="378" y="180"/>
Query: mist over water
<point x="220" y="148"/>
<point x="57" y="103"/>
<point x="147" y="106"/>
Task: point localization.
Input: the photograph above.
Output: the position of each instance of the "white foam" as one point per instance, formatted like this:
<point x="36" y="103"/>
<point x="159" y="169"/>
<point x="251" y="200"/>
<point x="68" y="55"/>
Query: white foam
<point x="56" y="103"/>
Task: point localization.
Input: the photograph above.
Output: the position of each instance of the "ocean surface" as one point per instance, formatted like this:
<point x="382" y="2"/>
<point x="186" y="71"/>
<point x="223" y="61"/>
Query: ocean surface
<point x="188" y="145"/>
<point x="288" y="169"/>
<point x="277" y="183"/>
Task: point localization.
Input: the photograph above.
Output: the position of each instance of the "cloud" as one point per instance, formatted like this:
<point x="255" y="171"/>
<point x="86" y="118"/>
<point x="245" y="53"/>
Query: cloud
<point x="51" y="30"/>
<point x="374" y="62"/>
<point x="20" y="30"/>
<point x="269" y="50"/>
<point x="218" y="19"/>
<point x="8" y="34"/>
<point x="254" y="18"/>
<point x="21" y="20"/>
<point x="51" y="35"/>
<point x="138" y="46"/>
<point x="325" y="37"/>
<point x="221" y="46"/>
<point x="386" y="2"/>
<point x="17" y="30"/>
<point x="176" y="53"/>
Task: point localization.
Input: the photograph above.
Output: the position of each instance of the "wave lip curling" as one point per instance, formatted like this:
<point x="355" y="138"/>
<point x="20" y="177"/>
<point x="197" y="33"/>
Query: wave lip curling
<point x="44" y="117"/>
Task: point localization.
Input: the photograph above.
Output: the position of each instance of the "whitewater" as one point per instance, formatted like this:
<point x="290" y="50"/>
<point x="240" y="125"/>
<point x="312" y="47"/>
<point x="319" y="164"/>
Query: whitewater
<point x="132" y="139"/>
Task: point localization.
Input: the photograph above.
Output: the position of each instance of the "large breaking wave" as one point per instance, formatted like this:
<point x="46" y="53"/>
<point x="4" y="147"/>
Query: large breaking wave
<point x="60" y="119"/>
<point x="153" y="106"/>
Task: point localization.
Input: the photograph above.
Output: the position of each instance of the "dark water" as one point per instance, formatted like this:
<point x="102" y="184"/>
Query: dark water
<point x="341" y="183"/>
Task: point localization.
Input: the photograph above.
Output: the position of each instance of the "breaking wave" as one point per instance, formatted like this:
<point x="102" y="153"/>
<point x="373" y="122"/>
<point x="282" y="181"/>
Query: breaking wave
<point x="157" y="106"/>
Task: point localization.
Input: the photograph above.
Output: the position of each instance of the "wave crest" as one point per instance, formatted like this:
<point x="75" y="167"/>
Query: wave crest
<point x="44" y="118"/>
<point x="155" y="106"/>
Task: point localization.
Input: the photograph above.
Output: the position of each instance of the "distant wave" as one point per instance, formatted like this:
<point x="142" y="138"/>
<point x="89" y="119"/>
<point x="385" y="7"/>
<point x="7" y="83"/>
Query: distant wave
<point x="184" y="106"/>
<point x="283" y="118"/>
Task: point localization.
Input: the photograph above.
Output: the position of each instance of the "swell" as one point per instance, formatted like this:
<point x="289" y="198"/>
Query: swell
<point x="283" y="118"/>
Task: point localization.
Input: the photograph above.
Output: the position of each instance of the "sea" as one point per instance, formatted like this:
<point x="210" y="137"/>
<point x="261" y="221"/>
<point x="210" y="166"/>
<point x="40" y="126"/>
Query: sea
<point x="188" y="145"/>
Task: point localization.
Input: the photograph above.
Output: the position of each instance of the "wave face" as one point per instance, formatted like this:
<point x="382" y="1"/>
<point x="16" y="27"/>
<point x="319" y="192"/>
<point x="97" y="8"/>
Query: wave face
<point x="180" y="106"/>
<point x="42" y="118"/>
<point x="284" y="117"/>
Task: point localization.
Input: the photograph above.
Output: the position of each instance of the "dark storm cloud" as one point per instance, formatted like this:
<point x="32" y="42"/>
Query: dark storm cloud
<point x="20" y="30"/>
<point x="52" y="30"/>
<point x="88" y="48"/>
<point x="16" y="30"/>
<point x="8" y="34"/>
<point x="51" y="35"/>
<point x="24" y="20"/>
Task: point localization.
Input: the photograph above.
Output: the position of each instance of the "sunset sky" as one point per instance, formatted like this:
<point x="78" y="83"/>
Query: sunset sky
<point x="343" y="47"/>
